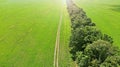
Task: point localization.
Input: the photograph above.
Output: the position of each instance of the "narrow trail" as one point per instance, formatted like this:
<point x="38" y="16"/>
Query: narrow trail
<point x="76" y="64"/>
<point x="56" y="52"/>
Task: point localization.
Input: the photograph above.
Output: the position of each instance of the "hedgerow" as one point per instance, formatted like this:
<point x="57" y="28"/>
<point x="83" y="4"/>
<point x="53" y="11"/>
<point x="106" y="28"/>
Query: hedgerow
<point x="89" y="46"/>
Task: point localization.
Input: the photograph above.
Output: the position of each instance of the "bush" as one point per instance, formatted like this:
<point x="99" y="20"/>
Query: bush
<point x="112" y="61"/>
<point x="99" y="53"/>
<point x="81" y="37"/>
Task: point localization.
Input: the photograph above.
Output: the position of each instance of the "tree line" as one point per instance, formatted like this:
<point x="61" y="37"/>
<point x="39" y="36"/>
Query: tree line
<point x="88" y="45"/>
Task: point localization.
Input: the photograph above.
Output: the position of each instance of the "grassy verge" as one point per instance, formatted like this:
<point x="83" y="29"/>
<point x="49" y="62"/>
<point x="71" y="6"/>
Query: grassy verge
<point x="64" y="55"/>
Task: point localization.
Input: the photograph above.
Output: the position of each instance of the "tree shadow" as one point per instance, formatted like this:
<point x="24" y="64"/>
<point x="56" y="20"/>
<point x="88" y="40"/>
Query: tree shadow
<point x="115" y="8"/>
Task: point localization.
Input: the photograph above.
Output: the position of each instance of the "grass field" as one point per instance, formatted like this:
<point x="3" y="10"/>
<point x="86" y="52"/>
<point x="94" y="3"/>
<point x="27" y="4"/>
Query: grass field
<point x="106" y="15"/>
<point x="64" y="55"/>
<point x="28" y="32"/>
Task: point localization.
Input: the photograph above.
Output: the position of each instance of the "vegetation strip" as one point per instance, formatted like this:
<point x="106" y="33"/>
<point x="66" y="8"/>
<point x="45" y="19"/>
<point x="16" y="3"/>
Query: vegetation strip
<point x="56" y="53"/>
<point x="89" y="46"/>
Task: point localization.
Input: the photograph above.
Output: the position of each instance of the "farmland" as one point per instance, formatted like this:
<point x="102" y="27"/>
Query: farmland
<point x="106" y="14"/>
<point x="53" y="33"/>
<point x="28" y="32"/>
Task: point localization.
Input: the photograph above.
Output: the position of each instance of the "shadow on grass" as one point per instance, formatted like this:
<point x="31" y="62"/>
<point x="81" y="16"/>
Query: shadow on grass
<point x="115" y="8"/>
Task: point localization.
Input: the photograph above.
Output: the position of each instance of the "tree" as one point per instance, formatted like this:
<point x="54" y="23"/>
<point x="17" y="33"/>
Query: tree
<point x="82" y="60"/>
<point x="112" y="61"/>
<point x="107" y="38"/>
<point x="81" y="37"/>
<point x="88" y="45"/>
<point x="99" y="50"/>
<point x="99" y="53"/>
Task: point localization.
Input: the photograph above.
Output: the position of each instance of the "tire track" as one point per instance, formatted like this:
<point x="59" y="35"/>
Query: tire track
<point x="56" y="52"/>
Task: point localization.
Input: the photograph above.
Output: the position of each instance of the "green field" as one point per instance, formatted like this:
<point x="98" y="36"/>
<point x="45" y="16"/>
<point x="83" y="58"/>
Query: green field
<point x="106" y="15"/>
<point x="28" y="32"/>
<point x="64" y="55"/>
<point x="28" y="29"/>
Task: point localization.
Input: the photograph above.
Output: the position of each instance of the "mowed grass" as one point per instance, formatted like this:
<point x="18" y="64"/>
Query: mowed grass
<point x="64" y="55"/>
<point x="106" y="15"/>
<point x="28" y="32"/>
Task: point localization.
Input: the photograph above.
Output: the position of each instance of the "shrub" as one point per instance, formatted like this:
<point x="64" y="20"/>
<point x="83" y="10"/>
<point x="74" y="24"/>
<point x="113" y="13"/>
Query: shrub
<point x="99" y="53"/>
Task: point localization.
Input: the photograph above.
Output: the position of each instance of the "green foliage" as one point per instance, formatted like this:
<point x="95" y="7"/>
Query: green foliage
<point x="107" y="38"/>
<point x="81" y="22"/>
<point x="89" y="46"/>
<point x="99" y="53"/>
<point x="106" y="17"/>
<point x="83" y="36"/>
<point x="112" y="61"/>
<point x="99" y="50"/>
<point x="82" y="60"/>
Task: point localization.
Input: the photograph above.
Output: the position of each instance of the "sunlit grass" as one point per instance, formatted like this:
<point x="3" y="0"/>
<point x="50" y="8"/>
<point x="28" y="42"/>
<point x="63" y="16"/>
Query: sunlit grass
<point x="106" y="14"/>
<point x="28" y="32"/>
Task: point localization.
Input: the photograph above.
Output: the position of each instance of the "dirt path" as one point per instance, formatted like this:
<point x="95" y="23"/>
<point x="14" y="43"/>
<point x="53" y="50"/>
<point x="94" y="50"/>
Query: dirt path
<point x="76" y="64"/>
<point x="56" y="52"/>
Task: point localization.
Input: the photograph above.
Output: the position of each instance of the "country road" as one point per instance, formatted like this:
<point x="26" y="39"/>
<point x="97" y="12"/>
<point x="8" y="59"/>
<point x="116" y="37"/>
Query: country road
<point x="56" y="52"/>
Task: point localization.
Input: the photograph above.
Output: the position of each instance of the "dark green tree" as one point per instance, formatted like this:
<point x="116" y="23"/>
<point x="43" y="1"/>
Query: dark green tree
<point x="81" y="37"/>
<point x="99" y="53"/>
<point x="112" y="61"/>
